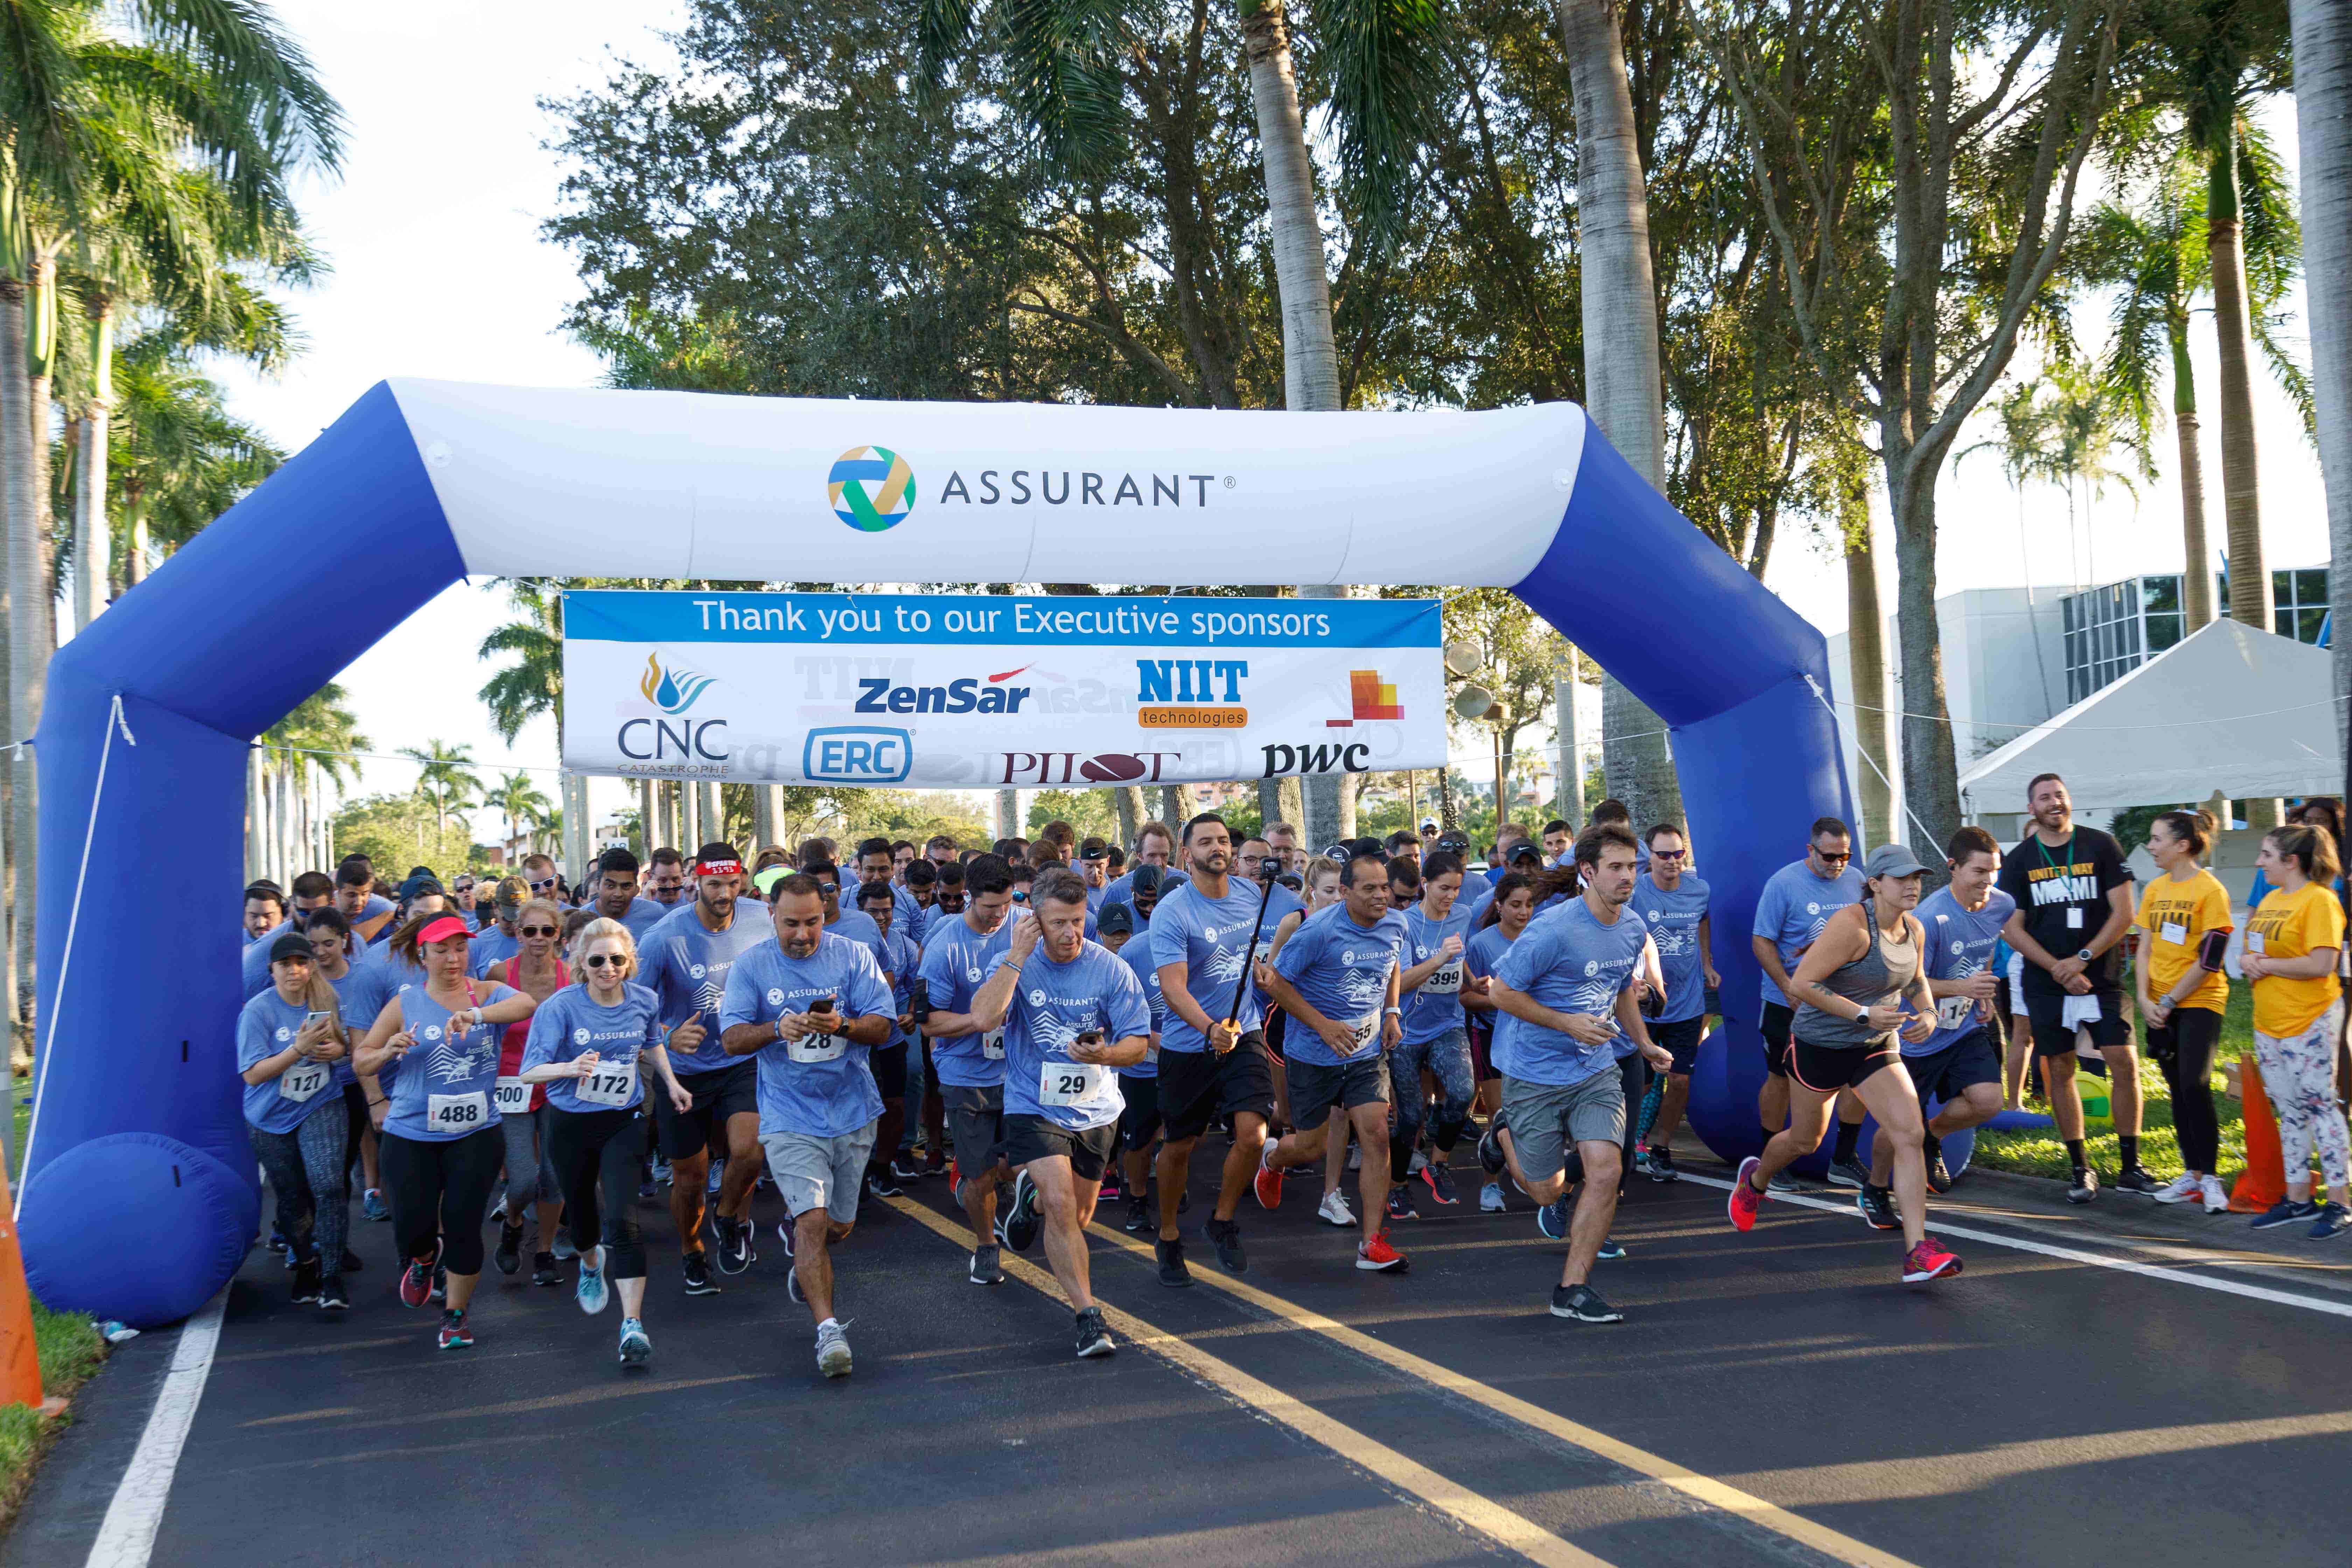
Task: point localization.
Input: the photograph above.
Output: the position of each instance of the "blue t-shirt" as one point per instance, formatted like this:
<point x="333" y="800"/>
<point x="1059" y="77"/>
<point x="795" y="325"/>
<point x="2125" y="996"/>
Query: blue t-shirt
<point x="857" y="926"/>
<point x="1795" y="908"/>
<point x="1960" y="942"/>
<point x="1487" y="945"/>
<point x="1570" y="961"/>
<point x="1120" y="891"/>
<point x="253" y="963"/>
<point x="1672" y="918"/>
<point x="1052" y="1005"/>
<point x="901" y="958"/>
<point x="362" y="994"/>
<point x="1210" y="937"/>
<point x="443" y="1090"/>
<point x="686" y="964"/>
<point x="1341" y="969"/>
<point x="569" y="1024"/>
<point x="822" y="1086"/>
<point x="491" y="948"/>
<point x="643" y="915"/>
<point x="266" y="1026"/>
<point x="955" y="962"/>
<point x="1136" y="956"/>
<point x="1435" y="1006"/>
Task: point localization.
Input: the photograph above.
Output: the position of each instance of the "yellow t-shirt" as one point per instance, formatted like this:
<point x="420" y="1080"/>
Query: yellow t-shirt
<point x="2175" y="916"/>
<point x="2290" y="925"/>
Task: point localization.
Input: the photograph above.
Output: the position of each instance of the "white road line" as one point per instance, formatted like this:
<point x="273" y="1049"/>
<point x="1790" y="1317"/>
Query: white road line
<point x="2074" y="1255"/>
<point x="128" y="1536"/>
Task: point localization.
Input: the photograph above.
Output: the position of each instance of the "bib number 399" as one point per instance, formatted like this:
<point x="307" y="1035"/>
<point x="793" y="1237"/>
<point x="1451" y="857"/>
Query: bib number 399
<point x="456" y="1112"/>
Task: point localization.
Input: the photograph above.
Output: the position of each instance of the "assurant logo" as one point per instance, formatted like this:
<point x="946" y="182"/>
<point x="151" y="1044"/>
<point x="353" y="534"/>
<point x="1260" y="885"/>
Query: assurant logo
<point x="671" y="690"/>
<point x="872" y="488"/>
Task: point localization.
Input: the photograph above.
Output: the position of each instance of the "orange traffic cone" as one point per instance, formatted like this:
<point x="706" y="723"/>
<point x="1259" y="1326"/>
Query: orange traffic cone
<point x="2264" y="1181"/>
<point x="20" y="1358"/>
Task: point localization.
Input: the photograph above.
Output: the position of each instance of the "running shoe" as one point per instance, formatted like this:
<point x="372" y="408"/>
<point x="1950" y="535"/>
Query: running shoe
<point x="2134" y="1180"/>
<point x="509" y="1253"/>
<point x="833" y="1348"/>
<point x="1744" y="1199"/>
<point x="1490" y="1147"/>
<point x="784" y="1234"/>
<point x="718" y="1171"/>
<point x="1931" y="1154"/>
<point x="1440" y="1183"/>
<point x="661" y="1171"/>
<point x="879" y="1182"/>
<point x="453" y="1335"/>
<point x="440" y="1282"/>
<point x="332" y="1297"/>
<point x="1849" y="1173"/>
<point x="1490" y="1199"/>
<point x="2332" y="1221"/>
<point x="2085" y="1185"/>
<point x="1356" y="1157"/>
<point x="1584" y="1304"/>
<point x="985" y="1267"/>
<point x="564" y="1250"/>
<point x="1784" y="1181"/>
<point x="306" y="1282"/>
<point x="1612" y="1250"/>
<point x="1661" y="1166"/>
<point x="1267" y="1183"/>
<point x="372" y="1204"/>
<point x="416" y="1283"/>
<point x="699" y="1281"/>
<point x="1877" y="1207"/>
<point x="590" y="1291"/>
<point x="1139" y="1214"/>
<point x="2287" y="1211"/>
<point x="1112" y="1188"/>
<point x="905" y="1169"/>
<point x="1377" y="1256"/>
<point x="1333" y="1210"/>
<point x="1552" y="1219"/>
<point x="635" y="1346"/>
<point x="2217" y="1196"/>
<point x="1094" y="1340"/>
<point x="2182" y="1189"/>
<point x="955" y="1184"/>
<point x="735" y="1254"/>
<point x="544" y="1270"/>
<point x="1400" y="1204"/>
<point x="1226" y="1237"/>
<point x="1018" y="1230"/>
<point x="1928" y="1260"/>
<point x="1173" y="1271"/>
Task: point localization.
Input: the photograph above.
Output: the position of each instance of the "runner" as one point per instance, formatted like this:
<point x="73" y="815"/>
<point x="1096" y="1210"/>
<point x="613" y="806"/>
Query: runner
<point x="501" y="938"/>
<point x="441" y="1139"/>
<point x="360" y="993"/>
<point x="1438" y="932"/>
<point x="665" y="877"/>
<point x="2185" y="925"/>
<point x="290" y="1041"/>
<point x="462" y="900"/>
<point x="614" y="894"/>
<point x="850" y="921"/>
<point x="1072" y="1013"/>
<point x="1138" y="1081"/>
<point x="1512" y="906"/>
<point x="900" y="959"/>
<point x="1565" y="992"/>
<point x="265" y="910"/>
<point x="2074" y="906"/>
<point x="687" y="961"/>
<point x="1323" y="889"/>
<point x="809" y="1006"/>
<point x="369" y="914"/>
<point x="588" y="1044"/>
<point x="1673" y="902"/>
<point x="2294" y="945"/>
<point x="1154" y="845"/>
<point x="1797" y="902"/>
<point x="1959" y="1064"/>
<point x="969" y="1060"/>
<point x="532" y="1181"/>
<point x="1337" y="978"/>
<point x="1859" y="986"/>
<point x="1212" y="1055"/>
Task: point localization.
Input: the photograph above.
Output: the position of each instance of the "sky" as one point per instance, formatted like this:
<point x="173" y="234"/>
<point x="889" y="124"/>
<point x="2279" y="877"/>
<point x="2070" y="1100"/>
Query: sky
<point x="439" y="270"/>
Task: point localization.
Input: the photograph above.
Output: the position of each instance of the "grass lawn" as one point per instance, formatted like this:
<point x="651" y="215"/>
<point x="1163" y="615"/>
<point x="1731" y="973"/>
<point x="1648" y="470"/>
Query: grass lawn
<point x="2042" y="1155"/>
<point x="70" y="1352"/>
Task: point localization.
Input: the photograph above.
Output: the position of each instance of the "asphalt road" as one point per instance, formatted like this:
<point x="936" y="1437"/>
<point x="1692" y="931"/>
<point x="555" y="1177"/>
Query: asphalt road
<point x="1770" y="1397"/>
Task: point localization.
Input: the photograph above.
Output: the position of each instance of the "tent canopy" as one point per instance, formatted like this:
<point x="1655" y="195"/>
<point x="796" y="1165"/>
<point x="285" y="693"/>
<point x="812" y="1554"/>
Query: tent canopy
<point x="2231" y="709"/>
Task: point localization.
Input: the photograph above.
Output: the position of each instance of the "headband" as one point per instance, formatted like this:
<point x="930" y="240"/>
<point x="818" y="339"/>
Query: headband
<point x="718" y="867"/>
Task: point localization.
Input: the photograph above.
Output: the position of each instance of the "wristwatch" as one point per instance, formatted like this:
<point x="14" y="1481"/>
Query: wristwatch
<point x="2086" y="955"/>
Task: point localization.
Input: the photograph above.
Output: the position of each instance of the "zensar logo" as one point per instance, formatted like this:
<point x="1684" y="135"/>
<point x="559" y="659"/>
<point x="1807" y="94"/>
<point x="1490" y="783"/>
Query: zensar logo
<point x="876" y="695"/>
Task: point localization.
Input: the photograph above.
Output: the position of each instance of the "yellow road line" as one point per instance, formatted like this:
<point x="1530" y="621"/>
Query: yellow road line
<point x="1483" y="1514"/>
<point x="1705" y="1488"/>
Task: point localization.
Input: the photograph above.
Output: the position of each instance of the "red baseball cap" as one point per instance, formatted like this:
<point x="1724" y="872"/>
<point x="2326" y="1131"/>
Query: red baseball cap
<point x="442" y="930"/>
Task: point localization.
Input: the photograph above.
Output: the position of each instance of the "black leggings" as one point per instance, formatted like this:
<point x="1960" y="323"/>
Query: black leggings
<point x="439" y="1190"/>
<point x="2184" y="1048"/>
<point x="597" y="1153"/>
<point x="1633" y="1075"/>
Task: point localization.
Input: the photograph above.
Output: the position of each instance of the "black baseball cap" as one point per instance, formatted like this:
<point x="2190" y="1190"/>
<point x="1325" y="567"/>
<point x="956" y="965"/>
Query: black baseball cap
<point x="1146" y="878"/>
<point x="1115" y="919"/>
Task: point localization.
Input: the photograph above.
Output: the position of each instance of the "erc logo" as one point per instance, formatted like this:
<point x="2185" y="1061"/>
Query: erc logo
<point x="671" y="690"/>
<point x="872" y="488"/>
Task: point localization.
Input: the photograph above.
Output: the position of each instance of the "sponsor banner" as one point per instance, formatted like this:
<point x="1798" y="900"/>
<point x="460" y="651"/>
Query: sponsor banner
<point x="968" y="691"/>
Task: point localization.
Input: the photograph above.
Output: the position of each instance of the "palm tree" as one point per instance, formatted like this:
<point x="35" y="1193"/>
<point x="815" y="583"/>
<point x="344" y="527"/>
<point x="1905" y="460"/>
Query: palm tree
<point x="521" y="800"/>
<point x="447" y="773"/>
<point x="317" y="740"/>
<point x="180" y="457"/>
<point x="2322" y="115"/>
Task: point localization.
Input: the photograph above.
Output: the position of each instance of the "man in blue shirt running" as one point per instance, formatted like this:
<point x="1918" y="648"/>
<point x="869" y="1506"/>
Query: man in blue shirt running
<point x="1793" y="911"/>
<point x="1673" y="902"/>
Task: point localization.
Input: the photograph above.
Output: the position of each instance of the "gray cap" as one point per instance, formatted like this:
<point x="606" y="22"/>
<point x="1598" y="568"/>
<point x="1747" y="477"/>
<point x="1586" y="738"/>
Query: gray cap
<point x="1892" y="860"/>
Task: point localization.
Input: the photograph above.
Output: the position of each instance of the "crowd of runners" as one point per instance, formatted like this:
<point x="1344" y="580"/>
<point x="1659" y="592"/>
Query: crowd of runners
<point x="505" y="1072"/>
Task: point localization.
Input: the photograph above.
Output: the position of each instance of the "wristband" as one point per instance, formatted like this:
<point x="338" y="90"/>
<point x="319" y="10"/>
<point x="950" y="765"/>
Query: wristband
<point x="378" y="1100"/>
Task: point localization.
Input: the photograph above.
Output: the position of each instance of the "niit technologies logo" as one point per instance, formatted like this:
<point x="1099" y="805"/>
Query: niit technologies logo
<point x="671" y="690"/>
<point x="872" y="488"/>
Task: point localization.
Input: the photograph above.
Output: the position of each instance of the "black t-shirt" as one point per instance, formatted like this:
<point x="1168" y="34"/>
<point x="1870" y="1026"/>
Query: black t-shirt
<point x="2062" y="894"/>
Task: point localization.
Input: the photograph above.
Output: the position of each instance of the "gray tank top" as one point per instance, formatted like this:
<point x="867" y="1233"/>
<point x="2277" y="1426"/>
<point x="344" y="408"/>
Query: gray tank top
<point x="1883" y="973"/>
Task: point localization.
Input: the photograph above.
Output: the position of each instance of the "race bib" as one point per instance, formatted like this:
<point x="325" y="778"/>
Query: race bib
<point x="304" y="1081"/>
<point x="1262" y="954"/>
<point x="2173" y="931"/>
<point x="457" y="1112"/>
<point x="1953" y="1012"/>
<point x="1446" y="981"/>
<point x="992" y="1044"/>
<point x="511" y="1096"/>
<point x="2254" y="942"/>
<point x="1075" y="1084"/>
<point x="1363" y="1031"/>
<point x="817" y="1048"/>
<point x="611" y="1084"/>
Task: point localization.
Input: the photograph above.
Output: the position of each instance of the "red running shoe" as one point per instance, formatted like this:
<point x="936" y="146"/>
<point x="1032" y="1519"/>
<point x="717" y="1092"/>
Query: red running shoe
<point x="1378" y="1256"/>
<point x="1267" y="1183"/>
<point x="416" y="1283"/>
<point x="1745" y="1199"/>
<point x="1928" y="1260"/>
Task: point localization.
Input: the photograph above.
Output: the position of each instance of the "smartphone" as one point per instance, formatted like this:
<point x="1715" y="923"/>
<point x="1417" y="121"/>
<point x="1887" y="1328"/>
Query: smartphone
<point x="821" y="1004"/>
<point x="1091" y="1037"/>
<point x="919" y="1002"/>
<point x="311" y="1018"/>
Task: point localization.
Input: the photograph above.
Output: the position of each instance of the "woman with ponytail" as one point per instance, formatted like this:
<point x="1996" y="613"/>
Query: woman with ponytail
<point x="2185" y="924"/>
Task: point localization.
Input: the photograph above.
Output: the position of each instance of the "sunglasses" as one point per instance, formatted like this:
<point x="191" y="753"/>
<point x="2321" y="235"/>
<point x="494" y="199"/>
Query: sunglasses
<point x="463" y="887"/>
<point x="538" y="886"/>
<point x="1020" y="897"/>
<point x="1668" y="854"/>
<point x="1832" y="859"/>
<point x="541" y="930"/>
<point x="599" y="960"/>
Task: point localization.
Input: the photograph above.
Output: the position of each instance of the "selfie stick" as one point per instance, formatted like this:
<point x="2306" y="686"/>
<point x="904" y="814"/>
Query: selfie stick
<point x="1264" y="894"/>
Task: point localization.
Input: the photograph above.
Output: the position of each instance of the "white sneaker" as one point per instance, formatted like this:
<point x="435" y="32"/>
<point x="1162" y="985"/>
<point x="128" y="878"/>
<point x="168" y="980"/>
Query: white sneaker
<point x="2217" y="1196"/>
<point x="1355" y="1156"/>
<point x="1490" y="1198"/>
<point x="833" y="1348"/>
<point x="1334" y="1208"/>
<point x="2182" y="1189"/>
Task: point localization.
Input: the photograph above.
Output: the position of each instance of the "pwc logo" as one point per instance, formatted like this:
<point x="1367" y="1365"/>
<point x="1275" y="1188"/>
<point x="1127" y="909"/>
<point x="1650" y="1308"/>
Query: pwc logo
<point x="676" y="740"/>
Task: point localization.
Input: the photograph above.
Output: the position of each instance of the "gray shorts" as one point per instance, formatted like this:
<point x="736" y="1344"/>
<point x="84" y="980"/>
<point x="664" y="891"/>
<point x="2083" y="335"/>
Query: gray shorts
<point x="1314" y="1089"/>
<point x="813" y="1173"/>
<point x="1545" y="1119"/>
<point x="975" y="1125"/>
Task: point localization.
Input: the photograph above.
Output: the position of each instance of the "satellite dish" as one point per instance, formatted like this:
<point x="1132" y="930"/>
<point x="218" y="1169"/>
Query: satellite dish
<point x="1463" y="658"/>
<point x="1472" y="701"/>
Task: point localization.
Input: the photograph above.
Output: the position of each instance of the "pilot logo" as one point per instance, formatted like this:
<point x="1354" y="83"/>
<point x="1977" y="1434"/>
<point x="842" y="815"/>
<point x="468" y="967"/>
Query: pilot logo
<point x="671" y="690"/>
<point x="872" y="488"/>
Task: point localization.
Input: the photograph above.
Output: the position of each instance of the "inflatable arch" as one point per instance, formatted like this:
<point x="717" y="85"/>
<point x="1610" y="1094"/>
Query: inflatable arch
<point x="140" y="1197"/>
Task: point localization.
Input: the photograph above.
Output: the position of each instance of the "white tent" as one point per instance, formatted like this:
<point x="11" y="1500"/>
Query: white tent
<point x="2232" y="709"/>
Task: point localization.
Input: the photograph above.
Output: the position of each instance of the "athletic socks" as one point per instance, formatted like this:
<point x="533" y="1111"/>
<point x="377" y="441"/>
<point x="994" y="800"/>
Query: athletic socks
<point x="1848" y="1132"/>
<point x="1766" y="1134"/>
<point x="2129" y="1149"/>
<point x="2076" y="1156"/>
